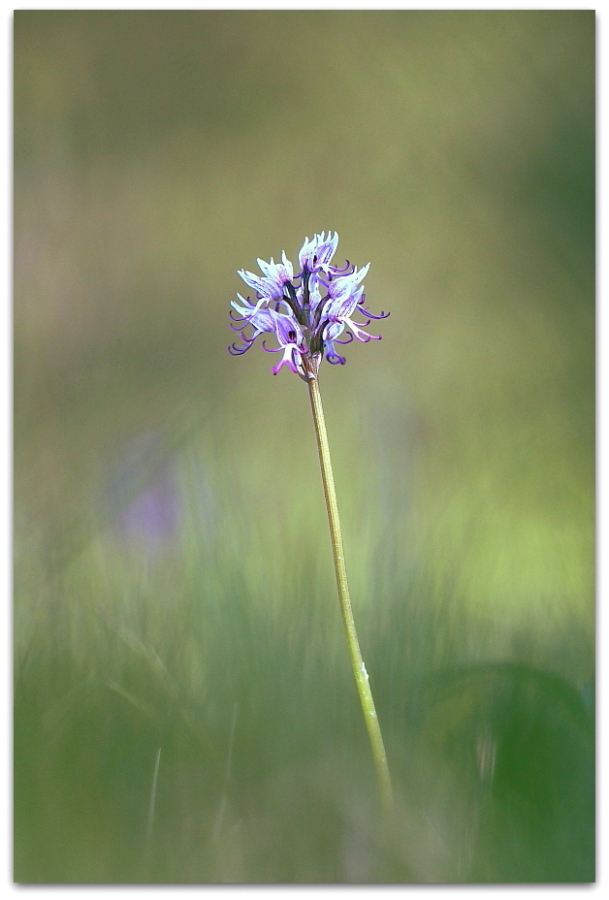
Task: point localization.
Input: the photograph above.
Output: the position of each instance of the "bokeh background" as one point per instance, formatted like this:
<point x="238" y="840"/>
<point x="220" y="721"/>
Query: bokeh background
<point x="183" y="705"/>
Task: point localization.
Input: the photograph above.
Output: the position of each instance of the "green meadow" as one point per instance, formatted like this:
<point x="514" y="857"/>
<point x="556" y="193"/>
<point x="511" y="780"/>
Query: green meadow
<point x="183" y="706"/>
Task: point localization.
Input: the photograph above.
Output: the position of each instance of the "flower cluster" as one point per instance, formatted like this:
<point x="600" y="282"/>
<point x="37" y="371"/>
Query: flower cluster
<point x="307" y="312"/>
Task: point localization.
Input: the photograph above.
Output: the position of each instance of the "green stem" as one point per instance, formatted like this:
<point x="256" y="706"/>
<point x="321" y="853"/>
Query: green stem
<point x="357" y="663"/>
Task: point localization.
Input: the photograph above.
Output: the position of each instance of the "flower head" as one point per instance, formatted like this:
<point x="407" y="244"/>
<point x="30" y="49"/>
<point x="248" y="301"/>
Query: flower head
<point x="308" y="312"/>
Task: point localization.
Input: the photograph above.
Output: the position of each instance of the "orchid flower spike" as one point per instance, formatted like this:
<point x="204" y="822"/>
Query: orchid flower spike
<point x="308" y="312"/>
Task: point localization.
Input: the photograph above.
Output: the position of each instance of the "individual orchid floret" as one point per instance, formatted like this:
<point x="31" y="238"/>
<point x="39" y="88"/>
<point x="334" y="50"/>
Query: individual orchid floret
<point x="308" y="312"/>
<point x="291" y="341"/>
<point x="344" y="288"/>
<point x="259" y="321"/>
<point x="270" y="287"/>
<point x="316" y="254"/>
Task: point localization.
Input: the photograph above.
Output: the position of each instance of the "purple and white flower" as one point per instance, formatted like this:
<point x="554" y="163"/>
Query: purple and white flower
<point x="308" y="312"/>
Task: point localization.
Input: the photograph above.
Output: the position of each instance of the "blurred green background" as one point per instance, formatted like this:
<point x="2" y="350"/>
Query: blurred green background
<point x="183" y="708"/>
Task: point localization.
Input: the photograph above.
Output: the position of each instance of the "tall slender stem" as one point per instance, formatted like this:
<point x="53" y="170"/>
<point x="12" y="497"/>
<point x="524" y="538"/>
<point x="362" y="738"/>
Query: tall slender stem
<point x="357" y="663"/>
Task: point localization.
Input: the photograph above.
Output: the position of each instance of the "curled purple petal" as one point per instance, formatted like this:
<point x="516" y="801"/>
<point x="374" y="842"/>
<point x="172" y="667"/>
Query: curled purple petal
<point x="334" y="358"/>
<point x="348" y="341"/>
<point x="234" y="350"/>
<point x="366" y="312"/>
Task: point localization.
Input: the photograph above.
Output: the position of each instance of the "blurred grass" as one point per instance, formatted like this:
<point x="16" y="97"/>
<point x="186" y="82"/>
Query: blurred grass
<point x="155" y="154"/>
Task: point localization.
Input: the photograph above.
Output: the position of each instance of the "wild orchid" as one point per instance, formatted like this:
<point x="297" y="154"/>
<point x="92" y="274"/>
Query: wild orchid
<point x="308" y="314"/>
